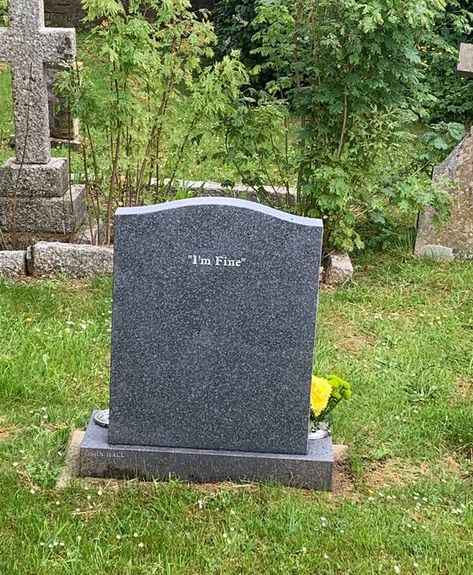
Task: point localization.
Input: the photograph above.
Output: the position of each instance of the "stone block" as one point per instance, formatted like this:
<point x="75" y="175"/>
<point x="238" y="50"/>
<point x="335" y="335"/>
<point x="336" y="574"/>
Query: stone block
<point x="465" y="60"/>
<point x="62" y="215"/>
<point x="73" y="260"/>
<point x="98" y="458"/>
<point x="437" y="253"/>
<point x="34" y="180"/>
<point x="12" y="264"/>
<point x="339" y="269"/>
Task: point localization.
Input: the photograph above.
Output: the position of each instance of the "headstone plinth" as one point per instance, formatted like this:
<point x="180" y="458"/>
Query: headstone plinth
<point x="44" y="217"/>
<point x="34" y="180"/>
<point x="214" y="309"/>
<point x="99" y="458"/>
<point x="37" y="198"/>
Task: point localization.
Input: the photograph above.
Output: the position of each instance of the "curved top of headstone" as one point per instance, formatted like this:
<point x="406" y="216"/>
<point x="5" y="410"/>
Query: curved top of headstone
<point x="220" y="201"/>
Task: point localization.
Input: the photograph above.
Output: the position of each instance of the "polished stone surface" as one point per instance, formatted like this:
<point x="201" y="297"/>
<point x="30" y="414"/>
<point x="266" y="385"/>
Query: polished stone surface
<point x="98" y="458"/>
<point x="214" y="309"/>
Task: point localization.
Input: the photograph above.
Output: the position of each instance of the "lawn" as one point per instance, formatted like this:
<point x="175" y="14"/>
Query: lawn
<point x="6" y="113"/>
<point x="401" y="333"/>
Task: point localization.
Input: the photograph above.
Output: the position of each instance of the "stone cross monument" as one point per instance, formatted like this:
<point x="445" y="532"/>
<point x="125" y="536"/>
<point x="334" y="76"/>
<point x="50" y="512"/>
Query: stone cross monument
<point x="455" y="237"/>
<point x="34" y="188"/>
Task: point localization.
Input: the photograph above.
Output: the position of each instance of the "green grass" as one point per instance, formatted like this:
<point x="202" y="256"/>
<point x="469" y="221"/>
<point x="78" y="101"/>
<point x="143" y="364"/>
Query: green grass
<point x="6" y="113"/>
<point x="402" y="333"/>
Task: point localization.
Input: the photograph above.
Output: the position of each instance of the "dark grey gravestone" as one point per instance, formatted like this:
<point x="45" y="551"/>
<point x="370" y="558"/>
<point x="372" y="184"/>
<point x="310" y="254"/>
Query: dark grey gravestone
<point x="214" y="309"/>
<point x="214" y="306"/>
<point x="98" y="458"/>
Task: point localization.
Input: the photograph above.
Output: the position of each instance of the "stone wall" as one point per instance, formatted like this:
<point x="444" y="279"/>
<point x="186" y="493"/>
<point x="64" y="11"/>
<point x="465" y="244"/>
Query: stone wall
<point x="69" y="13"/>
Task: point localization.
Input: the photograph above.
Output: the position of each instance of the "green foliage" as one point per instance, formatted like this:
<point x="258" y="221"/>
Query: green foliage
<point x="257" y="144"/>
<point x="3" y="12"/>
<point x="452" y="95"/>
<point x="235" y="27"/>
<point x="438" y="139"/>
<point x="131" y="98"/>
<point x="351" y="73"/>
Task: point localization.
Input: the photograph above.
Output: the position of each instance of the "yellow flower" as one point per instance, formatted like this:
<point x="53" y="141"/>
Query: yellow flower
<point x="320" y="391"/>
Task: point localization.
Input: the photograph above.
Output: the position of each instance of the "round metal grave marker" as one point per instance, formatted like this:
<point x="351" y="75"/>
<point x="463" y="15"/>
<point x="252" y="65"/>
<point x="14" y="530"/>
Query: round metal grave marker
<point x="102" y="417"/>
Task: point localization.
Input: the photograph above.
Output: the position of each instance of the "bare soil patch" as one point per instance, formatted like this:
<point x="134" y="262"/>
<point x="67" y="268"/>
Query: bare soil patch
<point x="6" y="431"/>
<point x="346" y="336"/>
<point x="463" y="390"/>
<point x="399" y="472"/>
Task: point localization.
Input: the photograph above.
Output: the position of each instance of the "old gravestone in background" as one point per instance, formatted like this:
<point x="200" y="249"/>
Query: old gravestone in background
<point x="34" y="188"/>
<point x="455" y="237"/>
<point x="214" y="308"/>
<point x="63" y="127"/>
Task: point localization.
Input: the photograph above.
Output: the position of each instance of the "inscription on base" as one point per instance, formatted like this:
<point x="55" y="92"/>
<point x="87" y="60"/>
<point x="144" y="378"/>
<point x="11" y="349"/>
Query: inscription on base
<point x="107" y="454"/>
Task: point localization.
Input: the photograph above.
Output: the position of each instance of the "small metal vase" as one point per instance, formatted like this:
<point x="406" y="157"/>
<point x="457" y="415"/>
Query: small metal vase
<point x="319" y="430"/>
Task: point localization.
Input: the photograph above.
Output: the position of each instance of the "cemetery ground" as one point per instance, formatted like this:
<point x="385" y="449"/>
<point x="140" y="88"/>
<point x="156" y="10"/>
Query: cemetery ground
<point x="401" y="333"/>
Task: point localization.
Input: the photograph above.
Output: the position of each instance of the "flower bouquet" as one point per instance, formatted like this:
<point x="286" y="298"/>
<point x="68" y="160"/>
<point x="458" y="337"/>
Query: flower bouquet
<point x="325" y="395"/>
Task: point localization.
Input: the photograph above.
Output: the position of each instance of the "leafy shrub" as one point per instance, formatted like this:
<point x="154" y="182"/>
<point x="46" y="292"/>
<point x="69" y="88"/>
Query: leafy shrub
<point x="235" y="28"/>
<point x="452" y="96"/>
<point x="3" y="12"/>
<point x="351" y="73"/>
<point x="147" y="98"/>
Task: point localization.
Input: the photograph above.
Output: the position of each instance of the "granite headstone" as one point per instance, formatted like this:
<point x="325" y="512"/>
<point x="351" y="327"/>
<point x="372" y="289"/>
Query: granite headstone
<point x="213" y="326"/>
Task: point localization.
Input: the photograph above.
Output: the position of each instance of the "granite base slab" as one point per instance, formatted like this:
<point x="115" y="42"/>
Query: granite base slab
<point x="100" y="459"/>
<point x="58" y="215"/>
